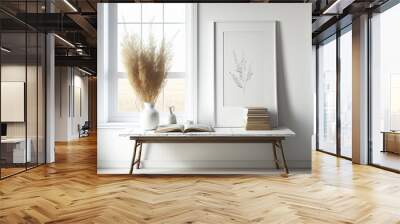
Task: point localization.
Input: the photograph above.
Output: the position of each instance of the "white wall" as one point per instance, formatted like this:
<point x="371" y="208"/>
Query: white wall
<point x="67" y="80"/>
<point x="295" y="96"/>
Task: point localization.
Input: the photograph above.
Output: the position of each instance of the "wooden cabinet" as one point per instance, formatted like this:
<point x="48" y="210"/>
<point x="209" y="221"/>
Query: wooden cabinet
<point x="391" y="142"/>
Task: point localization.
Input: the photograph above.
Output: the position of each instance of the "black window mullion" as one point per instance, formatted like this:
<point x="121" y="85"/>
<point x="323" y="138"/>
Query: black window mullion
<point x="317" y="96"/>
<point x="37" y="91"/>
<point x="0" y="96"/>
<point x="338" y="91"/>
<point x="369" y="94"/>
<point x="26" y="87"/>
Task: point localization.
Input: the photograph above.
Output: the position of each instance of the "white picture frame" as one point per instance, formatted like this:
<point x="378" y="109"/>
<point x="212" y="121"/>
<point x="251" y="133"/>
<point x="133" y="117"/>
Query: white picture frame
<point x="12" y="101"/>
<point x="244" y="70"/>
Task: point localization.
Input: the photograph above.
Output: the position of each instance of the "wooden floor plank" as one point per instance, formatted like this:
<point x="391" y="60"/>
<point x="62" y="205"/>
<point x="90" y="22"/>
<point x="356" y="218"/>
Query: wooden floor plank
<point x="70" y="191"/>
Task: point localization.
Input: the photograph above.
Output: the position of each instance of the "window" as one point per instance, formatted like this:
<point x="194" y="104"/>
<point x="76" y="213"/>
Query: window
<point x="385" y="88"/>
<point x="346" y="75"/>
<point x="165" y="21"/>
<point x="335" y="94"/>
<point x="394" y="101"/>
<point x="327" y="96"/>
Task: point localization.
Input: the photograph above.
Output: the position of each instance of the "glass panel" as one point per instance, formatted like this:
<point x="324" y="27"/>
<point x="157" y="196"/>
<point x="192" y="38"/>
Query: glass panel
<point x="31" y="99"/>
<point x="13" y="79"/>
<point x="175" y="35"/>
<point x="394" y="101"/>
<point x="155" y="29"/>
<point x="385" y="89"/>
<point x="327" y="97"/>
<point x="123" y="31"/>
<point x="174" y="13"/>
<point x="129" y="13"/>
<point x="152" y="13"/>
<point x="127" y="100"/>
<point x="346" y="94"/>
<point x="173" y="94"/>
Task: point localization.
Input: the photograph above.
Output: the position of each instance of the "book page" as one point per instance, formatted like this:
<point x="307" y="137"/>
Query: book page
<point x="197" y="128"/>
<point x="170" y="128"/>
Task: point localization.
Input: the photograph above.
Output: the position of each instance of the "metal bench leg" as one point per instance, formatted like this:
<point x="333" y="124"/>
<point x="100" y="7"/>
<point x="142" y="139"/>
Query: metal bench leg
<point x="133" y="157"/>
<point x="283" y="157"/>
<point x="140" y="156"/>
<point x="275" y="157"/>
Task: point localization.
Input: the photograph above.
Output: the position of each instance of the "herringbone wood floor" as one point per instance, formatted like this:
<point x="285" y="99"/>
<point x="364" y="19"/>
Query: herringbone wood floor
<point x="70" y="191"/>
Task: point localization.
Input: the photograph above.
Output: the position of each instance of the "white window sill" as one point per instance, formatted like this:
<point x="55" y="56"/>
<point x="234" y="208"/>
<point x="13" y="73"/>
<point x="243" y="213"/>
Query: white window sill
<point x="117" y="125"/>
<point x="136" y="124"/>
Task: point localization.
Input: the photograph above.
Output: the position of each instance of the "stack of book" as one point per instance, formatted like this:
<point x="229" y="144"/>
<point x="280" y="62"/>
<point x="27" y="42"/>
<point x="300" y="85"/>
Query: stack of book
<point x="257" y="118"/>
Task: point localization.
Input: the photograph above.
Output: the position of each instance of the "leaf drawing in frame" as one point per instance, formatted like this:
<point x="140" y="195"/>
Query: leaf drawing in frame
<point x="242" y="73"/>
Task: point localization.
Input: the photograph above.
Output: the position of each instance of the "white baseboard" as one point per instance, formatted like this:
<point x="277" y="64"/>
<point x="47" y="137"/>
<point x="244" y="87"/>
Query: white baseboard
<point x="148" y="171"/>
<point x="121" y="166"/>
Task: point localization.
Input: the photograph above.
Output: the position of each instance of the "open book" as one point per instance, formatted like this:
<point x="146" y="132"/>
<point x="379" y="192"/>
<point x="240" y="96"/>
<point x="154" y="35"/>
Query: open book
<point x="184" y="128"/>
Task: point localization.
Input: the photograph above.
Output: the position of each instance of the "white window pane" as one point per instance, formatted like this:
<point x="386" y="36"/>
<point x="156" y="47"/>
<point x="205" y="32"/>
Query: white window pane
<point x="152" y="12"/>
<point x="174" y="13"/>
<point x="175" y="34"/>
<point x="395" y="104"/>
<point x="346" y="94"/>
<point x="395" y="122"/>
<point x="174" y="94"/>
<point x="155" y="29"/>
<point x="395" y="80"/>
<point x="123" y="30"/>
<point x="129" y="13"/>
<point x="127" y="101"/>
<point x="327" y="97"/>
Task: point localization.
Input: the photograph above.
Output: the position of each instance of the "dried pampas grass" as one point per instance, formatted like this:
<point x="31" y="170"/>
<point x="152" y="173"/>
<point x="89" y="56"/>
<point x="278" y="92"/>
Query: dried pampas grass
<point x="146" y="65"/>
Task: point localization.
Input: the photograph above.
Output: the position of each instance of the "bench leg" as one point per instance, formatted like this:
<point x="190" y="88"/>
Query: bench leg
<point x="275" y="157"/>
<point x="283" y="157"/>
<point x="140" y="156"/>
<point x="133" y="157"/>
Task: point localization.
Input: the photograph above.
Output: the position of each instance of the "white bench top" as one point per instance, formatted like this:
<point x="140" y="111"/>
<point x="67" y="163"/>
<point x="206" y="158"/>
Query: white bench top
<point x="219" y="132"/>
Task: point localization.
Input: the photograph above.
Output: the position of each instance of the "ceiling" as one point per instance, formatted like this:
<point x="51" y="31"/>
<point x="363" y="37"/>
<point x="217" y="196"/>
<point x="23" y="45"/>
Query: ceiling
<point x="75" y="22"/>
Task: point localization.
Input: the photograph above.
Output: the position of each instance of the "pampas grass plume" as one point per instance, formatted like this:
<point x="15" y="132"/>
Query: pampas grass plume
<point x="146" y="65"/>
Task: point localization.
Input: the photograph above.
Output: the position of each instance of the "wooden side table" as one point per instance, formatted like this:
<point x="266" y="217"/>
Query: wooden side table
<point x="391" y="141"/>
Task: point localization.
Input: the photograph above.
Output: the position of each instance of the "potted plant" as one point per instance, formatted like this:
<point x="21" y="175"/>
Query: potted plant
<point x="146" y="65"/>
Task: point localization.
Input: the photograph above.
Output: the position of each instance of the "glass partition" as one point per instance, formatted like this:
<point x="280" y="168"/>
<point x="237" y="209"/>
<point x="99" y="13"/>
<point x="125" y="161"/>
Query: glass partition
<point x="13" y="94"/>
<point x="334" y="99"/>
<point x="22" y="77"/>
<point x="327" y="96"/>
<point x="346" y="94"/>
<point x="385" y="89"/>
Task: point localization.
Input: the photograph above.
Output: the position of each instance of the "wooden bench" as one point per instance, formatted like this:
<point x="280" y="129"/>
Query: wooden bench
<point x="221" y="135"/>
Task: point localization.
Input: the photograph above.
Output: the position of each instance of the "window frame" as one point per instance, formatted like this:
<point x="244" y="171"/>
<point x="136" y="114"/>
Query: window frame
<point x="372" y="36"/>
<point x="334" y="37"/>
<point x="190" y="74"/>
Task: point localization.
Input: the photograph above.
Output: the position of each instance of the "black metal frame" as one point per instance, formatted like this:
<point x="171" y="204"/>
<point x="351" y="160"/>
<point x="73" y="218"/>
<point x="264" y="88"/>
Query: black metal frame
<point x="387" y="5"/>
<point x="36" y="163"/>
<point x="336" y="38"/>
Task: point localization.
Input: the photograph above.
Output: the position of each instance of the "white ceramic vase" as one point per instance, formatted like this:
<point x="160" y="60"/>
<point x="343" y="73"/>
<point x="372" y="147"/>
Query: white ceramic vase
<point x="149" y="117"/>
